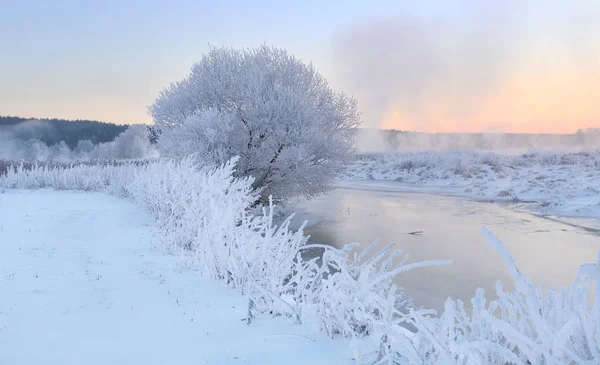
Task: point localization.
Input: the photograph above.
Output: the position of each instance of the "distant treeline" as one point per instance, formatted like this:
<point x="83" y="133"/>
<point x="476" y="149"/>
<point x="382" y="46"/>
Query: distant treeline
<point x="53" y="131"/>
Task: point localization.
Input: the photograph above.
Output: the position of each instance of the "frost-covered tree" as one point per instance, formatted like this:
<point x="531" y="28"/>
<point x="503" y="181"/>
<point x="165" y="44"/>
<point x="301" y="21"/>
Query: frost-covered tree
<point x="84" y="148"/>
<point x="60" y="152"/>
<point x="292" y="132"/>
<point x="133" y="143"/>
<point x="35" y="150"/>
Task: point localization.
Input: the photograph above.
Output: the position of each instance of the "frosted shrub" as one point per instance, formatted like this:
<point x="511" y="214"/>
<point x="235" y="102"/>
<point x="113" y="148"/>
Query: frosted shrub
<point x="490" y="159"/>
<point x="87" y="177"/>
<point x="270" y="264"/>
<point x="198" y="208"/>
<point x="207" y="212"/>
<point x="353" y="296"/>
<point x="356" y="285"/>
<point x="522" y="327"/>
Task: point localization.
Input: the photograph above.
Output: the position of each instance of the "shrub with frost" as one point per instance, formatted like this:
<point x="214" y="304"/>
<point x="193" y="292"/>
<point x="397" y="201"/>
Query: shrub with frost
<point x="526" y="326"/>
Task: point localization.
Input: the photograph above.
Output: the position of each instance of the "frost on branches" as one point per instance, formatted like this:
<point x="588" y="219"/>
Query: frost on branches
<point x="293" y="134"/>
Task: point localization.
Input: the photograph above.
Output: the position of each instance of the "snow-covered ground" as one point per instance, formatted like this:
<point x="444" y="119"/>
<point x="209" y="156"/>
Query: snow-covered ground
<point x="558" y="183"/>
<point x="82" y="281"/>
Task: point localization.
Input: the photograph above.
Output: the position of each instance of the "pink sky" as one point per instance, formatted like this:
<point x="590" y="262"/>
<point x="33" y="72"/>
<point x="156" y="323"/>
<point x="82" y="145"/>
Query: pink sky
<point x="557" y="103"/>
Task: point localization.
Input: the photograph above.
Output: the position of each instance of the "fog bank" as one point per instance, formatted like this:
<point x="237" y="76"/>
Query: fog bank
<point x="511" y="66"/>
<point x="377" y="140"/>
<point x="23" y="142"/>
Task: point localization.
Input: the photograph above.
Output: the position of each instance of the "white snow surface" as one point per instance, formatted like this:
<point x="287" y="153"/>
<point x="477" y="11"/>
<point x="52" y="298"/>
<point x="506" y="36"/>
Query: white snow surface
<point x="83" y="281"/>
<point x="565" y="184"/>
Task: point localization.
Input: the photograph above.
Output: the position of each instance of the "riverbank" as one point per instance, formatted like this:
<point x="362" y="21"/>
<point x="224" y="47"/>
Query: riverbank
<point x="565" y="184"/>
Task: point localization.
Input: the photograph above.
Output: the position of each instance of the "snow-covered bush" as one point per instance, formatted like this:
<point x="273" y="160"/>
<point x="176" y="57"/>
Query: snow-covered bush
<point x="292" y="132"/>
<point x="207" y="212"/>
<point x="92" y="176"/>
<point x="521" y="327"/>
<point x="354" y="296"/>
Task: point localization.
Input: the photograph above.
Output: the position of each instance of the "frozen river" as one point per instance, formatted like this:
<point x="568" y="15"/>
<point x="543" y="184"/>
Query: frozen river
<point x="548" y="250"/>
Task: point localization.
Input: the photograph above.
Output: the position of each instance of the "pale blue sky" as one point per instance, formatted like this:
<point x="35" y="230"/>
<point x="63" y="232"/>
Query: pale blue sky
<point x="108" y="60"/>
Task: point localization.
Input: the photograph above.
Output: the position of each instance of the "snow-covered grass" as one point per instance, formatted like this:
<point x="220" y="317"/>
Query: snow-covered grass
<point x="521" y="327"/>
<point x="562" y="183"/>
<point x="206" y="215"/>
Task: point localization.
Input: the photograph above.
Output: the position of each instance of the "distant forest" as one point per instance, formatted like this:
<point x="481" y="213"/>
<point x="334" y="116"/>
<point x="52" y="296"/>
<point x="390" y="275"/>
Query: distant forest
<point x="53" y="131"/>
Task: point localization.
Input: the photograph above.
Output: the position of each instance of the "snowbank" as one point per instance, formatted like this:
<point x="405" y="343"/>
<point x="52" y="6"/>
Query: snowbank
<point x="559" y="183"/>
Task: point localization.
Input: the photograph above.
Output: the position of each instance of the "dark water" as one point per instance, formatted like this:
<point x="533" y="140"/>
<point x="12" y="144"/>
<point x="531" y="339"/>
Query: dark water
<point x="547" y="250"/>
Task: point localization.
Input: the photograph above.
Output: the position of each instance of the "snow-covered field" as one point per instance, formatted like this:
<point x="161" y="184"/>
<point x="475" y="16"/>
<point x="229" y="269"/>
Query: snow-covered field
<point x="558" y="183"/>
<point x="82" y="281"/>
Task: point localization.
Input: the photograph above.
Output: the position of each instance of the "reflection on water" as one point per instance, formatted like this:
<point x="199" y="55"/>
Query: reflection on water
<point x="548" y="251"/>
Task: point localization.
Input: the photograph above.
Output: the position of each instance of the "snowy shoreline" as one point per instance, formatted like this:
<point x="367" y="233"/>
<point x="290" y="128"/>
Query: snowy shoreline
<point x="559" y="184"/>
<point x="591" y="222"/>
